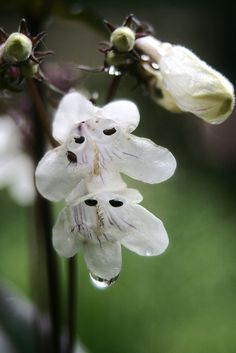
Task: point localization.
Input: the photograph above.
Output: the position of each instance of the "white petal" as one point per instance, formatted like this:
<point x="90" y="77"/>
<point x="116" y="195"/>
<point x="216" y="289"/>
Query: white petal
<point x="158" y="91"/>
<point x="124" y="113"/>
<point x="195" y="86"/>
<point x="55" y="176"/>
<point x="73" y="109"/>
<point x="8" y="128"/>
<point x="22" y="187"/>
<point x="64" y="240"/>
<point x="144" y="160"/>
<point x="132" y="195"/>
<point x="17" y="173"/>
<point x="108" y="180"/>
<point x="103" y="260"/>
<point x="148" y="237"/>
<point x="152" y="47"/>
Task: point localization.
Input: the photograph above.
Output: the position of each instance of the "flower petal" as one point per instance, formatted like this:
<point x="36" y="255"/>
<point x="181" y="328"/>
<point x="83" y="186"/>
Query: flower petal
<point x="103" y="260"/>
<point x="64" y="240"/>
<point x="124" y="113"/>
<point x="73" y="109"/>
<point x="143" y="160"/>
<point x="55" y="176"/>
<point x="108" y="180"/>
<point x="16" y="172"/>
<point x="148" y="237"/>
<point x="132" y="195"/>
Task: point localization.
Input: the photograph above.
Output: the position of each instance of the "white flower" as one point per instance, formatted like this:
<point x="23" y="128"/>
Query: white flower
<point x="100" y="223"/>
<point x="192" y="84"/>
<point x="16" y="168"/>
<point x="97" y="145"/>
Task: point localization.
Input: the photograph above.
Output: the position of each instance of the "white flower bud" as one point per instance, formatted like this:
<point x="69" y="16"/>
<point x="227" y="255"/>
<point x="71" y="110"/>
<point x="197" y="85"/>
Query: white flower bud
<point x="17" y="48"/>
<point x="157" y="89"/>
<point x="194" y="85"/>
<point x="123" y="39"/>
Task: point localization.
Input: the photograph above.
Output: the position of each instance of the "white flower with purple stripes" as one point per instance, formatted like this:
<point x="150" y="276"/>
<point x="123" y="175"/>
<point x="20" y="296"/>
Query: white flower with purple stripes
<point x="94" y="142"/>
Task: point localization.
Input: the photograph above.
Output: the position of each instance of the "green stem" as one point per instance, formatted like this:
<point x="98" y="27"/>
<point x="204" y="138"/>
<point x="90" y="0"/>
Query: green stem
<point x="43" y="220"/>
<point x="113" y="88"/>
<point x="71" y="301"/>
<point x="41" y="112"/>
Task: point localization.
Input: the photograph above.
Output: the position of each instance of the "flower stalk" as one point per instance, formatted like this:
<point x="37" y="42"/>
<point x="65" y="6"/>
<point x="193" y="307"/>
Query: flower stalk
<point x="43" y="221"/>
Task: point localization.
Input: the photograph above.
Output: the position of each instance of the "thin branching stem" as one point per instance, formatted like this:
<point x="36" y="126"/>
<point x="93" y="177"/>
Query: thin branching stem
<point x="113" y="88"/>
<point x="41" y="112"/>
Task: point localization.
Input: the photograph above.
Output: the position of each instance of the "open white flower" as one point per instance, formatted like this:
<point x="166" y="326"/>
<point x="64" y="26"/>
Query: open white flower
<point x="191" y="84"/>
<point x="100" y="223"/>
<point x="96" y="141"/>
<point x="16" y="168"/>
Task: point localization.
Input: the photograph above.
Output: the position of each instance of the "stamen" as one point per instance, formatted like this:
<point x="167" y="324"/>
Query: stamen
<point x="115" y="203"/>
<point x="79" y="140"/>
<point x="71" y="156"/>
<point x="91" y="202"/>
<point x="109" y="132"/>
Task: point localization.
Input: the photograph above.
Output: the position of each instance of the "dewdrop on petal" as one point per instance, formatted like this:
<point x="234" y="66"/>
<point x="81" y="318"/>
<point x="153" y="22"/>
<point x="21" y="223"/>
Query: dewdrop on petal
<point x="17" y="48"/>
<point x="194" y="85"/>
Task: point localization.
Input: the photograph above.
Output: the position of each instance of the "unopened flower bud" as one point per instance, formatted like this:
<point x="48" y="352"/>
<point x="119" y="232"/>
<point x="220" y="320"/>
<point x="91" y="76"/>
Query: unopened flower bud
<point x="123" y="39"/>
<point x="116" y="59"/>
<point x="158" y="92"/>
<point x="29" y="69"/>
<point x="17" y="48"/>
<point x="194" y="86"/>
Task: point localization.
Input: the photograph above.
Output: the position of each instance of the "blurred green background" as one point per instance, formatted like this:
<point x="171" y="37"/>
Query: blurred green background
<point x="184" y="300"/>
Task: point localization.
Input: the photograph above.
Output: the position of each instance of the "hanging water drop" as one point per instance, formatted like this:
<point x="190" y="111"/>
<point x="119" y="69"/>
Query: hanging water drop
<point x="113" y="71"/>
<point x="145" y="57"/>
<point x="101" y="283"/>
<point x="155" y="66"/>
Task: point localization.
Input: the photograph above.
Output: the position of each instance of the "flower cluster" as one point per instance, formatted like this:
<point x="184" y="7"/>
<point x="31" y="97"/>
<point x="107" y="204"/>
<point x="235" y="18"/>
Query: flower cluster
<point x="101" y="213"/>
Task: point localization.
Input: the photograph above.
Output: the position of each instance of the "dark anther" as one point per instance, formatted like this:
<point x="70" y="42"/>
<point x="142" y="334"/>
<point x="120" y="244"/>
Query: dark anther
<point x="80" y="139"/>
<point x="71" y="157"/>
<point x="91" y="202"/>
<point x="115" y="203"/>
<point x="109" y="131"/>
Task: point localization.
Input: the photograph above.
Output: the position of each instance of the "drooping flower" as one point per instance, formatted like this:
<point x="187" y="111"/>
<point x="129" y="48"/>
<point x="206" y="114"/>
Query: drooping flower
<point x="97" y="145"/>
<point x="100" y="223"/>
<point x="187" y="83"/>
<point x="16" y="167"/>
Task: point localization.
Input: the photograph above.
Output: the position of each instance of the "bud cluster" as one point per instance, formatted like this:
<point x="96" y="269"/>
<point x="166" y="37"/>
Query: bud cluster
<point x="175" y="78"/>
<point x="18" y="57"/>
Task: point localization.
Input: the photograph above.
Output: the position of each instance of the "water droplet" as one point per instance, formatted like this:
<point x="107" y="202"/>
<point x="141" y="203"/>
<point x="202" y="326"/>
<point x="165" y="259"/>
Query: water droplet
<point x="101" y="283"/>
<point x="112" y="70"/>
<point x="145" y="57"/>
<point x="155" y="66"/>
<point x="148" y="252"/>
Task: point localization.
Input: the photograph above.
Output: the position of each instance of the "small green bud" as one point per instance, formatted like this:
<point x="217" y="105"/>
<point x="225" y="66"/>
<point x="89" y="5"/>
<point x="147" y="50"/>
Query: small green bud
<point x="29" y="69"/>
<point x="17" y="48"/>
<point x="116" y="59"/>
<point x="123" y="39"/>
